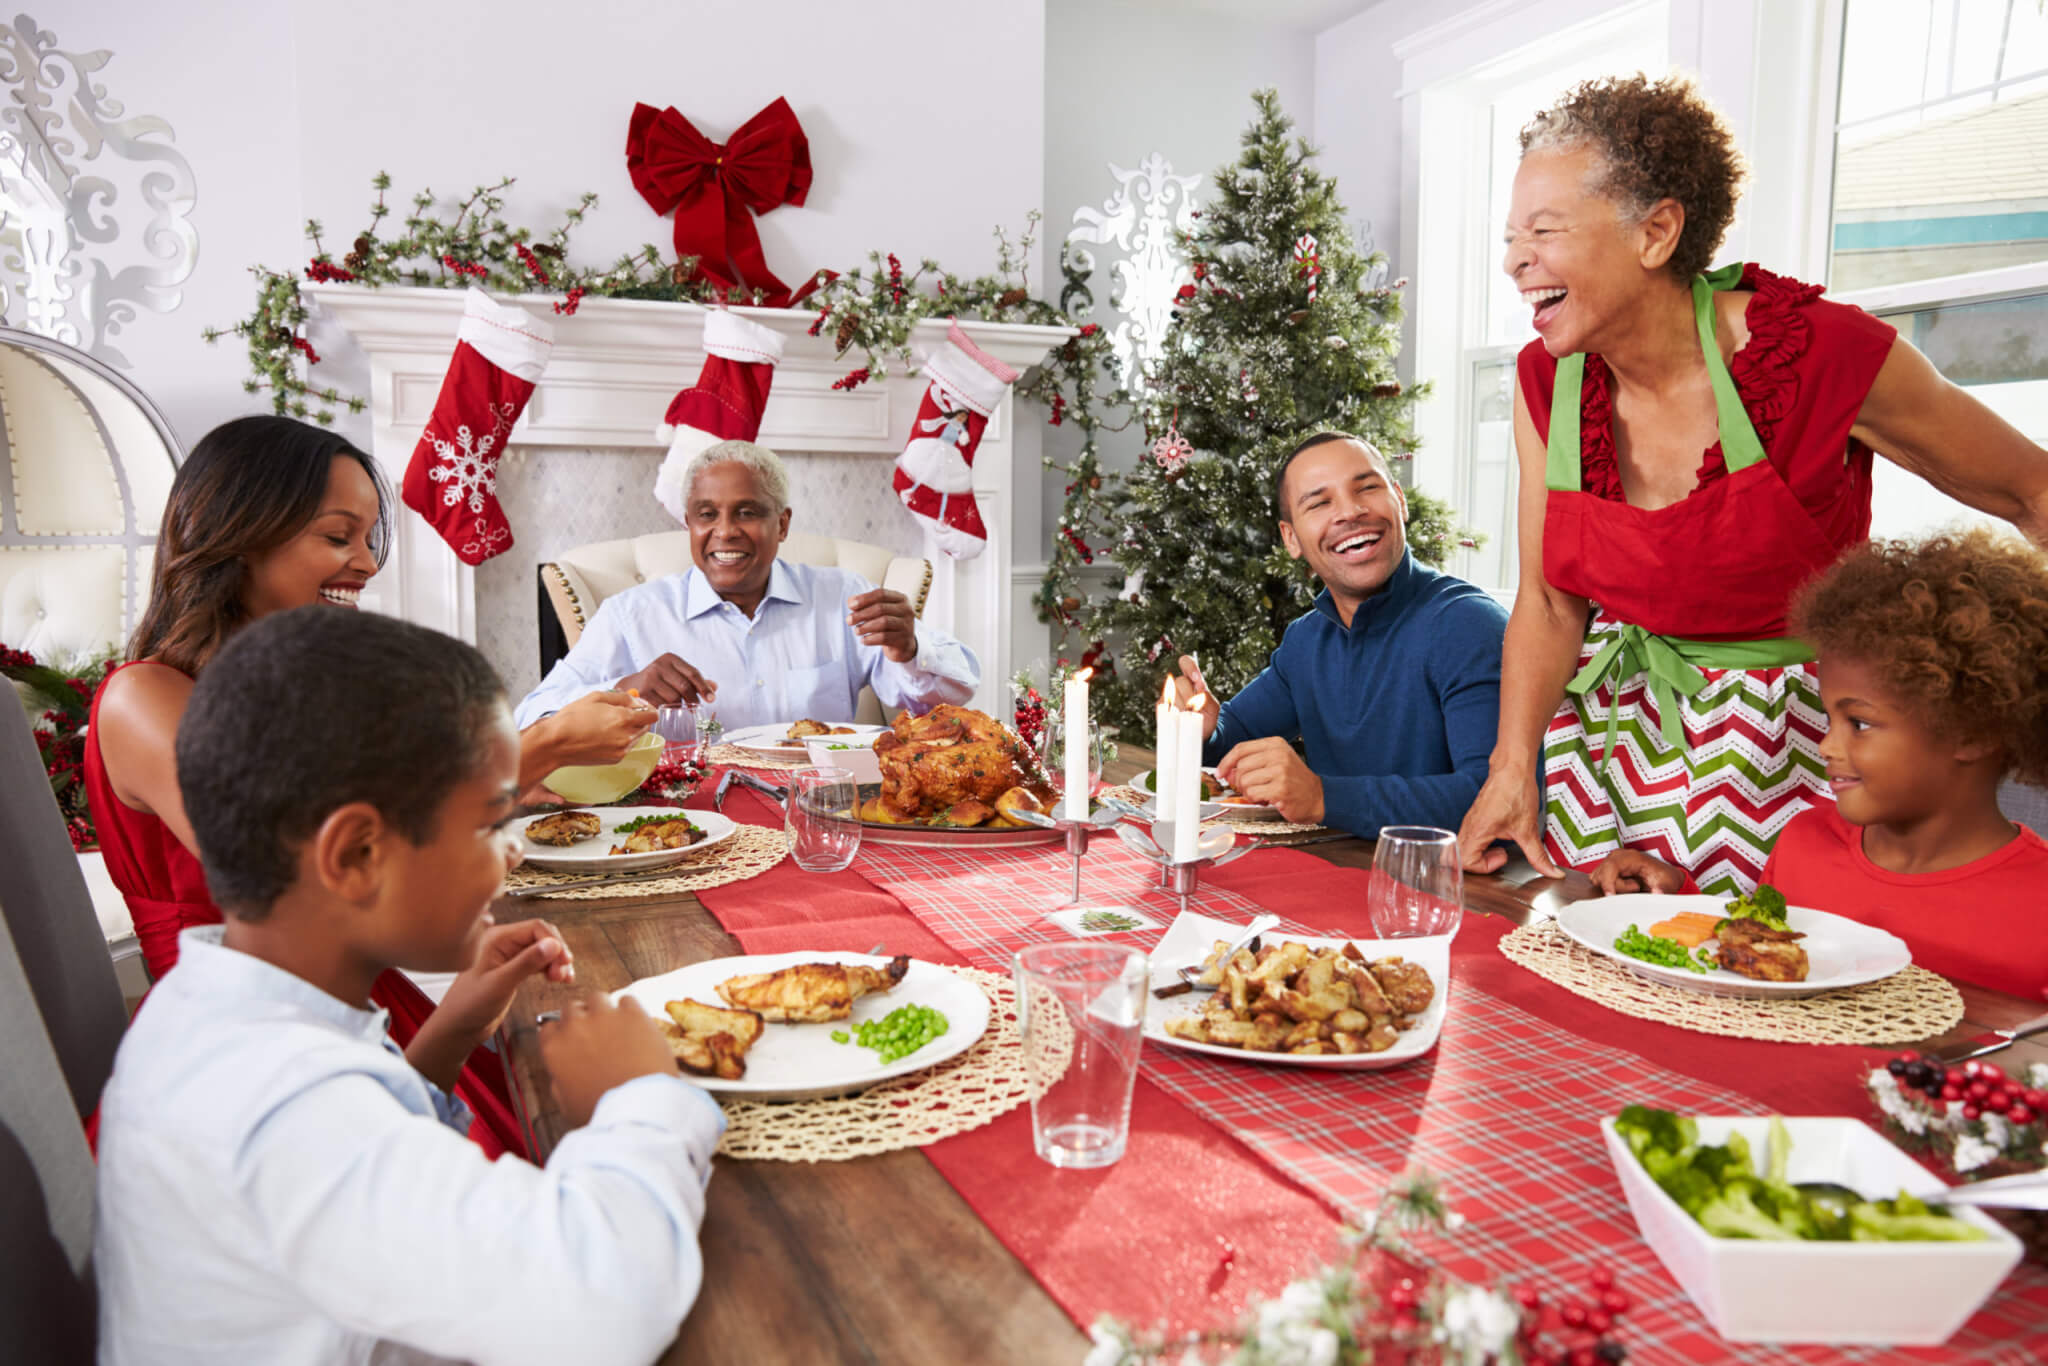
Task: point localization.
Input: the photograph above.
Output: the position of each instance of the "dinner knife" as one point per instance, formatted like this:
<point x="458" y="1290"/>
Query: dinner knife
<point x="1989" y="1042"/>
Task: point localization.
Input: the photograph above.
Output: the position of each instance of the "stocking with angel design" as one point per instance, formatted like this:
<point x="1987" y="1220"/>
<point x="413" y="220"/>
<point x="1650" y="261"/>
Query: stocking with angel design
<point x="452" y="480"/>
<point x="935" y="473"/>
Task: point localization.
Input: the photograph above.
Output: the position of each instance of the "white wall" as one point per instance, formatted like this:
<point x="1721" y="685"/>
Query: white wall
<point x="921" y="143"/>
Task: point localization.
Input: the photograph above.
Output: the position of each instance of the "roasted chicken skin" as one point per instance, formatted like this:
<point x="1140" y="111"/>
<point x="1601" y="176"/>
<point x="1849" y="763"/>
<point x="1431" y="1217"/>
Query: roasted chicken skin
<point x="810" y="993"/>
<point x="1753" y="949"/>
<point x="564" y="828"/>
<point x="949" y="756"/>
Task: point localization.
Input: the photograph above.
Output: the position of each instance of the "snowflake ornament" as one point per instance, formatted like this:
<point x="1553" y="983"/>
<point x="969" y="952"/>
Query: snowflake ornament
<point x="1172" y="450"/>
<point x="466" y="465"/>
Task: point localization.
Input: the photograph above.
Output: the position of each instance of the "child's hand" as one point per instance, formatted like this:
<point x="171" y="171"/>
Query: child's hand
<point x="596" y="1046"/>
<point x="478" y="998"/>
<point x="1631" y="870"/>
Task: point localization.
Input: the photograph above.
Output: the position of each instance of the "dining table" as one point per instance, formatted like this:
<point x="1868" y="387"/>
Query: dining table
<point x="945" y="1253"/>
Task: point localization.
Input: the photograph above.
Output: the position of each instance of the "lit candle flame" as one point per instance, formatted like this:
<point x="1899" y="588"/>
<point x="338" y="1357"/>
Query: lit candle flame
<point x="1166" y="694"/>
<point x="1198" y="702"/>
<point x="1084" y="675"/>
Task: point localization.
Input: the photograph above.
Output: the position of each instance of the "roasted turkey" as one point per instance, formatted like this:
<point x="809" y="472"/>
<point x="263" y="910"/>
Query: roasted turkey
<point x="945" y="758"/>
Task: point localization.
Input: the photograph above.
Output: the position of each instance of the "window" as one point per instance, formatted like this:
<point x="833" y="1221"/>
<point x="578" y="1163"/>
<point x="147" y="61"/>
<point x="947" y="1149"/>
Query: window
<point x="1939" y="220"/>
<point x="1470" y="320"/>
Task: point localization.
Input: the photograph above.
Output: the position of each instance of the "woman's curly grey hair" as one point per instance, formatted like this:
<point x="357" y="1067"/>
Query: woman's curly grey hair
<point x="1655" y="140"/>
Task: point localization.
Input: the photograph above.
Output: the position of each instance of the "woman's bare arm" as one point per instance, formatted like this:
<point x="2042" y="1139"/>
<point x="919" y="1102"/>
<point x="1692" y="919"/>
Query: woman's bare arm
<point x="138" y="734"/>
<point x="1923" y="423"/>
<point x="1544" y="633"/>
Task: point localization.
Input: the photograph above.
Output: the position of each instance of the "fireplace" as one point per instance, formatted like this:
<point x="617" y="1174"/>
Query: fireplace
<point x="580" y="465"/>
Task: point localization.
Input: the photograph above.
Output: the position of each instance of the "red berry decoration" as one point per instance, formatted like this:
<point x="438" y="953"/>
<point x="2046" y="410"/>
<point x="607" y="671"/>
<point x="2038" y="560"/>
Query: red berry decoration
<point x="1971" y="1112"/>
<point x="1602" y="1278"/>
<point x="1614" y="1302"/>
<point x="1951" y="1091"/>
<point x="2036" y="1099"/>
<point x="1977" y="1090"/>
<point x="1599" y="1321"/>
<point x="1574" y="1315"/>
<point x="1528" y="1298"/>
<point x="1955" y="1076"/>
<point x="2020" y="1114"/>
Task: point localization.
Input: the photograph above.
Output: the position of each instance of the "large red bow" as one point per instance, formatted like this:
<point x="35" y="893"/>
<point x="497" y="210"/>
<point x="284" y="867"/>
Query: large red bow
<point x="715" y="191"/>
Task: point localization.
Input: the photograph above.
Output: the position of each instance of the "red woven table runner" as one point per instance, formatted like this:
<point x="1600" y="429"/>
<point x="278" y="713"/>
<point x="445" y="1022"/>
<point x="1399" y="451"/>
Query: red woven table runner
<point x="1506" y="1110"/>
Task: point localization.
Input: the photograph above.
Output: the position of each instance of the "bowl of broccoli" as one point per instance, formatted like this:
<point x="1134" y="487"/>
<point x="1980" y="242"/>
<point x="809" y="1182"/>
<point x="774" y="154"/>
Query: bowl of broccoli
<point x="1750" y="1216"/>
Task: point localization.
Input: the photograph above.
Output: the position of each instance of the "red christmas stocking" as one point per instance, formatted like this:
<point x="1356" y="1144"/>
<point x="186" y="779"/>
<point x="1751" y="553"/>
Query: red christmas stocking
<point x="452" y="481"/>
<point x="725" y="403"/>
<point x="935" y="473"/>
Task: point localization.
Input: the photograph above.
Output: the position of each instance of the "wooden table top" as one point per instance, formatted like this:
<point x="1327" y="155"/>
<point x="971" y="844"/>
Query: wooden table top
<point x="879" y="1259"/>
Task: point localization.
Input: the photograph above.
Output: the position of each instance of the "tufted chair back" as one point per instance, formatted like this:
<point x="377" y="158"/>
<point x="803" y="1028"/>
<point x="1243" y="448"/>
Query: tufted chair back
<point x="574" y="584"/>
<point x="87" y="466"/>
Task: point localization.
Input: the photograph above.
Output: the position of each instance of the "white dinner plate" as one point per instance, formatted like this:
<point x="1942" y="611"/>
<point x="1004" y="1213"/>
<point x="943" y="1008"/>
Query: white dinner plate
<point x="1839" y="952"/>
<point x="800" y="1061"/>
<point x="1189" y="940"/>
<point x="594" y="855"/>
<point x="1212" y="809"/>
<point x="772" y="739"/>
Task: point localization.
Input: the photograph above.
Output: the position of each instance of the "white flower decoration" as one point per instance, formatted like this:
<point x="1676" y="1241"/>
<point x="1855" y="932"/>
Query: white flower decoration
<point x="1477" y="1324"/>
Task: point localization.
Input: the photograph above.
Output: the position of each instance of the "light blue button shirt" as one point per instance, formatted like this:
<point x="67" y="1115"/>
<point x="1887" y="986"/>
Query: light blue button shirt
<point x="277" y="1184"/>
<point x="795" y="657"/>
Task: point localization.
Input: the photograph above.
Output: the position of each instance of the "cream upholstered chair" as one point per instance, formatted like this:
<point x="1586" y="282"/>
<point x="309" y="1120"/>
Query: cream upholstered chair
<point x="574" y="583"/>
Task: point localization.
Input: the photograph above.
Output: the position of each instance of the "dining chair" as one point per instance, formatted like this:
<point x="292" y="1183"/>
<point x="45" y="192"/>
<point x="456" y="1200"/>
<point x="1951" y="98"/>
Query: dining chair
<point x="50" y="919"/>
<point x="576" y="581"/>
<point x="2026" y="804"/>
<point x="47" y="1303"/>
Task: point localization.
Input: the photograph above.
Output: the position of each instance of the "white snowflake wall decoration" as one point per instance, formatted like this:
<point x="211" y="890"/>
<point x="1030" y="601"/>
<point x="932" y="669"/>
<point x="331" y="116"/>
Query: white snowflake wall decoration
<point x="1142" y="220"/>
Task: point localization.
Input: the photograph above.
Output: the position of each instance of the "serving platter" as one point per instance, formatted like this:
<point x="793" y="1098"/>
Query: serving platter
<point x="1840" y="952"/>
<point x="771" y="739"/>
<point x="801" y="1061"/>
<point x="594" y="854"/>
<point x="1190" y="938"/>
<point x="1212" y="809"/>
<point x="951" y="836"/>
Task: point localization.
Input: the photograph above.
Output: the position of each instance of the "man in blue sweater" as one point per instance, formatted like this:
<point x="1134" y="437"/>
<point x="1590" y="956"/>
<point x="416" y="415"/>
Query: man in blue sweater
<point x="1391" y="681"/>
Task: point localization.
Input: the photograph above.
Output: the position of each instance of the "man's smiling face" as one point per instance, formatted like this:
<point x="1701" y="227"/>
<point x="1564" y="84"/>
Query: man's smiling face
<point x="735" y="529"/>
<point x="1346" y="516"/>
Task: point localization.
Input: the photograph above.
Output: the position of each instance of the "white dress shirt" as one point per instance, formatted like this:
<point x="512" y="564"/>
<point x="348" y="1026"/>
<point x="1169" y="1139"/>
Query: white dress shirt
<point x="278" y="1185"/>
<point x="795" y="657"/>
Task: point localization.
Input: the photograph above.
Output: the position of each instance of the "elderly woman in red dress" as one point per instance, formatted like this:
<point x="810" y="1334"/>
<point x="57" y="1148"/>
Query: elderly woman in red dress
<point x="1693" y="445"/>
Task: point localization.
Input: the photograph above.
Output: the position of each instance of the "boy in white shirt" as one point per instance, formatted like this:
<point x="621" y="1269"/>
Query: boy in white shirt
<point x="276" y="1182"/>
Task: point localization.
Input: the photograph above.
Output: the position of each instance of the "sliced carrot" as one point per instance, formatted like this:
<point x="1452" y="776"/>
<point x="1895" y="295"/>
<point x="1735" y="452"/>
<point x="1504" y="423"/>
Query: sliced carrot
<point x="1690" y="928"/>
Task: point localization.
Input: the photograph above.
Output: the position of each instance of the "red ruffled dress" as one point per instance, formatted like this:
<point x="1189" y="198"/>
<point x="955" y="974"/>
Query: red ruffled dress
<point x="165" y="888"/>
<point x="1705" y="779"/>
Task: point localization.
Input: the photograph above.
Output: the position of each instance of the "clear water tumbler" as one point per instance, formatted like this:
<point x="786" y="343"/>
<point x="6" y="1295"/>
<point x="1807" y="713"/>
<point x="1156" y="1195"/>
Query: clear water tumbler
<point x="1081" y="1009"/>
<point x="1418" y="884"/>
<point x="822" y="815"/>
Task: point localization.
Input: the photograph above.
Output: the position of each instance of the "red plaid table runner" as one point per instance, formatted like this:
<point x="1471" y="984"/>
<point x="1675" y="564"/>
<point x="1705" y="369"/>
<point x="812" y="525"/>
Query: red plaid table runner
<point x="1506" y="1110"/>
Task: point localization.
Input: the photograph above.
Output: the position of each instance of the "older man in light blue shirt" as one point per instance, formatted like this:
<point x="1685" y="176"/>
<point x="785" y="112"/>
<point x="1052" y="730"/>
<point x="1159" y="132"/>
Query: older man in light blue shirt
<point x="762" y="639"/>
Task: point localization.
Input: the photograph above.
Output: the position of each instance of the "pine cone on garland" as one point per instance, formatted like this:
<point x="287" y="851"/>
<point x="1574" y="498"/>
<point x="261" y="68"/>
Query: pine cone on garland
<point x="1010" y="298"/>
<point x="848" y="326"/>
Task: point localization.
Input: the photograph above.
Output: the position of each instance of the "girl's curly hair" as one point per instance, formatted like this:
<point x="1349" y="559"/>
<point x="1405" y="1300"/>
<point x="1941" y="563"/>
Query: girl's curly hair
<point x="1657" y="140"/>
<point x="1956" y="626"/>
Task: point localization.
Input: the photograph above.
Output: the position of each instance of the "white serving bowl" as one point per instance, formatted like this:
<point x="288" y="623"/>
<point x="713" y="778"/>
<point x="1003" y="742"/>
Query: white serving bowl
<point x="1909" y="1294"/>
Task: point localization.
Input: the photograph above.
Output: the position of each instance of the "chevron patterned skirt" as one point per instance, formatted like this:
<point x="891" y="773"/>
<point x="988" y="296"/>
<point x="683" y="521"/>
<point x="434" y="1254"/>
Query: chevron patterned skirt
<point x="1751" y="763"/>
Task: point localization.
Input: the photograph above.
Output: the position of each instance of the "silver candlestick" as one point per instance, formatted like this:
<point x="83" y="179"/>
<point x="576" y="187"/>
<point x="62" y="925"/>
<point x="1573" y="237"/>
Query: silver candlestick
<point x="1076" y="833"/>
<point x="1217" y="845"/>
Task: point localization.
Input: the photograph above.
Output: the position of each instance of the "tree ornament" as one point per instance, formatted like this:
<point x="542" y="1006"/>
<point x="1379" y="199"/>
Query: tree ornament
<point x="1308" y="261"/>
<point x="1172" y="450"/>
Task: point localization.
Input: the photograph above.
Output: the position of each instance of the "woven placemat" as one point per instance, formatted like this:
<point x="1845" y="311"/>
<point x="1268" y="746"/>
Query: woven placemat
<point x="748" y="851"/>
<point x="963" y="1093"/>
<point x="1132" y="795"/>
<point x="747" y="758"/>
<point x="1904" y="1008"/>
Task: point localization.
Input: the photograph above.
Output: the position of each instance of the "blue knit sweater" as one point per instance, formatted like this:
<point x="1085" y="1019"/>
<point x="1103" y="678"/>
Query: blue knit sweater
<point x="1397" y="713"/>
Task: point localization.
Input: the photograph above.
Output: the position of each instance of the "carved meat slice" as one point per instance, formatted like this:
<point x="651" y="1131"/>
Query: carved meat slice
<point x="810" y="993"/>
<point x="564" y="828"/>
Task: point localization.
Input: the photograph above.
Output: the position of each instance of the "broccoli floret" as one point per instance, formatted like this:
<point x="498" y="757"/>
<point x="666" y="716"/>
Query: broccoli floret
<point x="1871" y="1222"/>
<point x="1766" y="904"/>
<point x="1659" y="1130"/>
<point x="1777" y="1152"/>
<point x="1733" y="1214"/>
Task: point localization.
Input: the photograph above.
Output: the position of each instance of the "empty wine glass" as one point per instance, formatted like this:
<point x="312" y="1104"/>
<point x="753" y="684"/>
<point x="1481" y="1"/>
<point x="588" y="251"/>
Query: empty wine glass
<point x="1418" y="885"/>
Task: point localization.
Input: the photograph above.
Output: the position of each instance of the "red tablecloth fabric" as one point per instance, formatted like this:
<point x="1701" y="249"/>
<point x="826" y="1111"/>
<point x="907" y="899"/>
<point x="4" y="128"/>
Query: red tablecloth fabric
<point x="1506" y="1109"/>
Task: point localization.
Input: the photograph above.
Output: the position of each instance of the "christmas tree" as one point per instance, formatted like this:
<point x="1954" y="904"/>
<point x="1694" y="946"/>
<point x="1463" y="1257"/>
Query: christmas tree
<point x="1287" y="330"/>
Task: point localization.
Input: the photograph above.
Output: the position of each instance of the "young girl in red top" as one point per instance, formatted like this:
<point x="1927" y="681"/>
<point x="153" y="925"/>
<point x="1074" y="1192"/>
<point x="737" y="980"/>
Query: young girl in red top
<point x="1933" y="663"/>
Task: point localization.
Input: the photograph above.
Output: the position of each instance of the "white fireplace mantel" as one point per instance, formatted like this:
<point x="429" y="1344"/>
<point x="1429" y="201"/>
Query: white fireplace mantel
<point x="615" y="366"/>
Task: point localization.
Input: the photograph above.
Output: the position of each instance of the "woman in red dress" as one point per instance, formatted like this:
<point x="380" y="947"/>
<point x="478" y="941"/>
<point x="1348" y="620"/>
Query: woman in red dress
<point x="1692" y="446"/>
<point x="268" y="514"/>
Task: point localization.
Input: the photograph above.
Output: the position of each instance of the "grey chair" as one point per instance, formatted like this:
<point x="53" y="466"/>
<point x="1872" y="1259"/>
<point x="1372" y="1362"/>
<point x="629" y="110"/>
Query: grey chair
<point x="48" y="1306"/>
<point x="2027" y="805"/>
<point x="50" y="920"/>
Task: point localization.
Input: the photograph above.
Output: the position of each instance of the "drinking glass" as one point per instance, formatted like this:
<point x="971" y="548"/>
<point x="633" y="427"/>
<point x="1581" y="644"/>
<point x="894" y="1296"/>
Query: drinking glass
<point x="682" y="732"/>
<point x="1418" y="885"/>
<point x="822" y="815"/>
<point x="1081" y="1010"/>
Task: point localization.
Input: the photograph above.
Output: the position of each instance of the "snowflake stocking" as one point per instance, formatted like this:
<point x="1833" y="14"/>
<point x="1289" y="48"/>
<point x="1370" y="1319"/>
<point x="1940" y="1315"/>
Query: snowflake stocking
<point x="935" y="473"/>
<point x="452" y="480"/>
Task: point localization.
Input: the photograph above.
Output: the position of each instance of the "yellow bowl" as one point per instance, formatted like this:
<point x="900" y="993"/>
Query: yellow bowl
<point x="592" y="784"/>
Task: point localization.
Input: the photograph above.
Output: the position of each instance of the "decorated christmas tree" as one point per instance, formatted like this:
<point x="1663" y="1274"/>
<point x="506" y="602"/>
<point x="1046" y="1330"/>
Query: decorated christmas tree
<point x="1288" y="329"/>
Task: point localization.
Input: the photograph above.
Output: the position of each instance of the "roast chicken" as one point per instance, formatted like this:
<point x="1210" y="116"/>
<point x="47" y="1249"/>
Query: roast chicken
<point x="810" y="993"/>
<point x="1754" y="949"/>
<point x="949" y="757"/>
